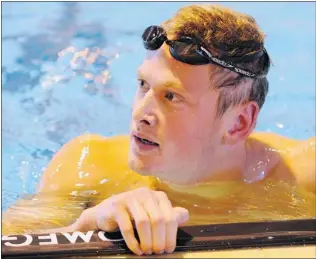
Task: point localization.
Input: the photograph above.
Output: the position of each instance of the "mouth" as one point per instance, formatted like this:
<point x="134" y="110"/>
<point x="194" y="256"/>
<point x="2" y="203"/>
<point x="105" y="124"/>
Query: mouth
<point x="146" y="141"/>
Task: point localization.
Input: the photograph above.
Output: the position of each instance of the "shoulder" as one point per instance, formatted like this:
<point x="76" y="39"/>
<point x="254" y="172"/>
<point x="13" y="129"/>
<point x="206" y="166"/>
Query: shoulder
<point x="298" y="157"/>
<point x="87" y="155"/>
<point x="302" y="161"/>
<point x="274" y="140"/>
<point x="96" y="139"/>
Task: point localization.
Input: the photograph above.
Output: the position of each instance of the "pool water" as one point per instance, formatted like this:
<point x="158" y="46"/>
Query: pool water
<point x="70" y="68"/>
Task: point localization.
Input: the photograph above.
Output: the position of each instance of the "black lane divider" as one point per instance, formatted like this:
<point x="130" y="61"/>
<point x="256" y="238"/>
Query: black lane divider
<point x="190" y="238"/>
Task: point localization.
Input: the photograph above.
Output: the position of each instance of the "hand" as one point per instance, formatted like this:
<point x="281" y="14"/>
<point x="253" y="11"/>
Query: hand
<point x="155" y="219"/>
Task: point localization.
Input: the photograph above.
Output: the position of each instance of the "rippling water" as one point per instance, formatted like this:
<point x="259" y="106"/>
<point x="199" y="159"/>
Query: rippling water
<point x="69" y="68"/>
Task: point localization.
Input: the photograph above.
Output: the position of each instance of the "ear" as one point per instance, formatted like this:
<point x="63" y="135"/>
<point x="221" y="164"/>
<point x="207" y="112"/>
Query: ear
<point x="243" y="122"/>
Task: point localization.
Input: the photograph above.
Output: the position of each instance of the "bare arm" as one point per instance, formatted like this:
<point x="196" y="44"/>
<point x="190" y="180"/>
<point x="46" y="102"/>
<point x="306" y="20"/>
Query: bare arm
<point x="39" y="213"/>
<point x="58" y="201"/>
<point x="83" y="173"/>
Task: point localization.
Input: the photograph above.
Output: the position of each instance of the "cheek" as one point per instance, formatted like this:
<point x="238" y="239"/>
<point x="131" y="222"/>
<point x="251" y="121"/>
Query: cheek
<point x="186" y="132"/>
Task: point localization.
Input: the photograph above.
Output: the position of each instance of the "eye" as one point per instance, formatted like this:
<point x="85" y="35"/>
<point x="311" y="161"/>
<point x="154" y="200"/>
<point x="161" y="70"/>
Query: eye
<point x="172" y="97"/>
<point x="143" y="85"/>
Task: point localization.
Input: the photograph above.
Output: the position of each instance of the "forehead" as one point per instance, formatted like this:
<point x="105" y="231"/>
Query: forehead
<point x="159" y="67"/>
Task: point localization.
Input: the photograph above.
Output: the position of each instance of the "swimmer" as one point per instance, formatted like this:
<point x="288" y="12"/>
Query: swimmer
<point x="199" y="92"/>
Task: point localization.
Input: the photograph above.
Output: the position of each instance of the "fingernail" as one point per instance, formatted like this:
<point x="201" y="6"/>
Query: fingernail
<point x="149" y="252"/>
<point x="139" y="252"/>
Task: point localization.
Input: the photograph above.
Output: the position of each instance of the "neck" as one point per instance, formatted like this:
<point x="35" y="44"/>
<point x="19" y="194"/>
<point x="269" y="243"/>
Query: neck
<point x="243" y="164"/>
<point x="229" y="166"/>
<point x="249" y="162"/>
<point x="221" y="181"/>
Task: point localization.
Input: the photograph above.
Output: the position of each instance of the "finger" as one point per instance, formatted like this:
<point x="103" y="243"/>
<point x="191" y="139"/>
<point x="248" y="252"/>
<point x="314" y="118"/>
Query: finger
<point x="105" y="214"/>
<point x="126" y="227"/>
<point x="142" y="223"/>
<point x="171" y="221"/>
<point x="106" y="222"/>
<point x="182" y="215"/>
<point x="158" y="227"/>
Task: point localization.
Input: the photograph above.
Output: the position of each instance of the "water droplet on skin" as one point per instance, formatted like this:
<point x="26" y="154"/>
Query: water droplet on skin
<point x="104" y="181"/>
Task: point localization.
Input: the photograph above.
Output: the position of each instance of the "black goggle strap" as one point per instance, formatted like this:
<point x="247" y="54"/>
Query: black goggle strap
<point x="228" y="65"/>
<point x="221" y="62"/>
<point x="229" y="60"/>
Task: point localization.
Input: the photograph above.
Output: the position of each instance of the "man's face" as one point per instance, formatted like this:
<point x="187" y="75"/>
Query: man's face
<point x="174" y="107"/>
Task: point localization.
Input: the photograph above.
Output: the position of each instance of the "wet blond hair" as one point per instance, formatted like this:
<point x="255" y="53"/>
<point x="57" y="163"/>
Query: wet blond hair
<point x="229" y="33"/>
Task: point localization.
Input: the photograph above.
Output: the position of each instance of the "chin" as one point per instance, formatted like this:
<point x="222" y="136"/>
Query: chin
<point x="140" y="167"/>
<point x="144" y="164"/>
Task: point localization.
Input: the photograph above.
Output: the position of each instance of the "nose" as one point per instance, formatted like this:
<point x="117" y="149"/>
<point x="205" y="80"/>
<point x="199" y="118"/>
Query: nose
<point x="145" y="111"/>
<point x="149" y="120"/>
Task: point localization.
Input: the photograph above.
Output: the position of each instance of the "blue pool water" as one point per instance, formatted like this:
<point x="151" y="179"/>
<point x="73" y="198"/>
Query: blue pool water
<point x="69" y="68"/>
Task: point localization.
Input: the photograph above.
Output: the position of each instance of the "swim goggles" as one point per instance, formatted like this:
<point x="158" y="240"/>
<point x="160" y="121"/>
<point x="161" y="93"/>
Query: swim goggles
<point x="191" y="51"/>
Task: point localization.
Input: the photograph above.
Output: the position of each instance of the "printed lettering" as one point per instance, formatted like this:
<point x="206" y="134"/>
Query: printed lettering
<point x="27" y="242"/>
<point x="52" y="237"/>
<point x="74" y="236"/>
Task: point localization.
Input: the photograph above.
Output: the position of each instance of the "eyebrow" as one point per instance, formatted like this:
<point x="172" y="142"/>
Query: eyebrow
<point x="172" y="84"/>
